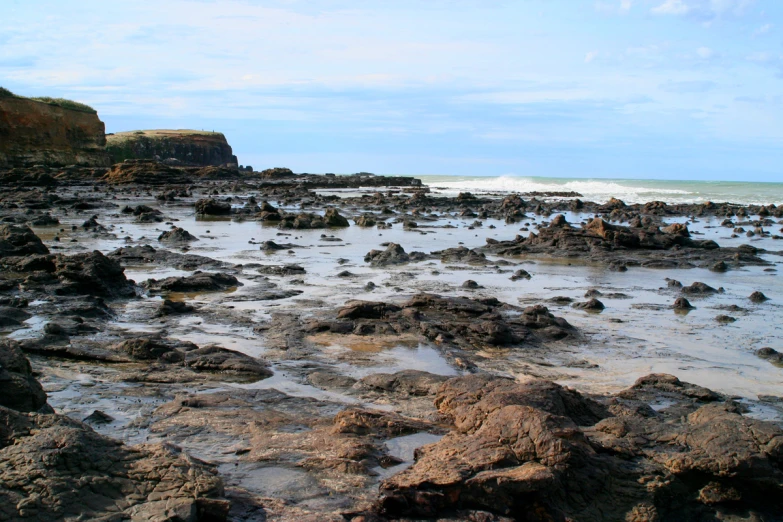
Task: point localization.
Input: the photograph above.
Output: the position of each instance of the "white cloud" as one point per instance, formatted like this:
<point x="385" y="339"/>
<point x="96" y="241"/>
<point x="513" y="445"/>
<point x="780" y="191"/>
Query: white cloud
<point x="705" y="53"/>
<point x="592" y="55"/>
<point x="764" y="29"/>
<point x="611" y="7"/>
<point x="672" y="7"/>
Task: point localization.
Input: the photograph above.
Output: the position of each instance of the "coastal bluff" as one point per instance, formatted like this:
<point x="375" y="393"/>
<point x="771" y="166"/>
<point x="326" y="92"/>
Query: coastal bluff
<point x="35" y="132"/>
<point x="189" y="148"/>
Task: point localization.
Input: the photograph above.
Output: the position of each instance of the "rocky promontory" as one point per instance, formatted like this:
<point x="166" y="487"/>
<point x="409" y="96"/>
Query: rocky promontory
<point x="34" y="132"/>
<point x="176" y="147"/>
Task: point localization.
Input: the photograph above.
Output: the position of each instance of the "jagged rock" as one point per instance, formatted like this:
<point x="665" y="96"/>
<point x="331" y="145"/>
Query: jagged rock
<point x="593" y="305"/>
<point x="682" y="304"/>
<point x="176" y="235"/>
<point x="365" y="221"/>
<point x="91" y="273"/>
<point x="468" y="323"/>
<point x="198" y="282"/>
<point x="169" y="307"/>
<point x="332" y="218"/>
<point x="19" y="390"/>
<point x="538" y="451"/>
<point x="211" y="207"/>
<point x="393" y="255"/>
<point x="699" y="288"/>
<point x="20" y="241"/>
<point x="54" y="468"/>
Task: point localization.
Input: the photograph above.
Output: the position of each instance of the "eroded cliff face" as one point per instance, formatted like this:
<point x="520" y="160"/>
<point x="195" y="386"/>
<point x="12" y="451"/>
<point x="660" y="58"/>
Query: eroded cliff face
<point x="37" y="133"/>
<point x="175" y="147"/>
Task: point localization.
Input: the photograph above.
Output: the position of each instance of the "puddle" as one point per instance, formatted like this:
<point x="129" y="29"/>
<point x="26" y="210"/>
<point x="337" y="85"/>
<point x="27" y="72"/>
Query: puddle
<point x="404" y="448"/>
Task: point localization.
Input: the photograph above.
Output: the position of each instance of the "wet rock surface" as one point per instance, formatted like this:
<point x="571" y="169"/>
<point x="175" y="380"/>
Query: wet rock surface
<point x="603" y="242"/>
<point x="538" y="451"/>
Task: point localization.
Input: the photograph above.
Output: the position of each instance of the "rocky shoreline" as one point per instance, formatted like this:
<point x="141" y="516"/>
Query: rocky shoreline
<point x="209" y="343"/>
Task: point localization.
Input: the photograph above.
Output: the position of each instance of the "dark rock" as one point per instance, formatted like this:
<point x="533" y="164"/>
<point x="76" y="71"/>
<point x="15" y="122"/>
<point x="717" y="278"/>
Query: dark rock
<point x="98" y="417"/>
<point x="169" y="307"/>
<point x="682" y="304"/>
<point x="176" y="235"/>
<point x="198" y="282"/>
<point x="211" y="207"/>
<point x="520" y="274"/>
<point x="593" y="305"/>
<point x="20" y="241"/>
<point x="91" y="273"/>
<point x="758" y="297"/>
<point x="393" y="255"/>
<point x="19" y="390"/>
<point x="537" y="451"/>
<point x="45" y="461"/>
<point x="699" y="288"/>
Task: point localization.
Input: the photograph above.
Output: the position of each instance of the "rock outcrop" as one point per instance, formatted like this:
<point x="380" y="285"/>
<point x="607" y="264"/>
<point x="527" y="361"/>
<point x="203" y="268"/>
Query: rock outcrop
<point x="176" y="147"/>
<point x="537" y="451"/>
<point x="38" y="133"/>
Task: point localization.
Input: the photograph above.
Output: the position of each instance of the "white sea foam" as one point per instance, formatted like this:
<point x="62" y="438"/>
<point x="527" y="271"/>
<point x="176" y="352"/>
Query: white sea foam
<point x="592" y="190"/>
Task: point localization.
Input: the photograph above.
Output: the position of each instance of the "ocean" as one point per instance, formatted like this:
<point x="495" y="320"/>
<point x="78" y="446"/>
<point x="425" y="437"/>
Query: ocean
<point x="629" y="190"/>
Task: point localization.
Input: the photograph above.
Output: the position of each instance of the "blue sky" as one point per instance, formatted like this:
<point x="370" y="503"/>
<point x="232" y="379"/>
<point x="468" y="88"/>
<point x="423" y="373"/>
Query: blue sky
<point x="673" y="89"/>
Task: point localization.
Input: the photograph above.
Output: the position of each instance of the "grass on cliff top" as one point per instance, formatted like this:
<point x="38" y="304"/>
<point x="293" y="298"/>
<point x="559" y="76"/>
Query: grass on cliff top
<point x="119" y="137"/>
<point x="59" y="102"/>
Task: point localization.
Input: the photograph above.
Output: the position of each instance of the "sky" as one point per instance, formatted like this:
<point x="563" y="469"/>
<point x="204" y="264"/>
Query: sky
<point x="666" y="89"/>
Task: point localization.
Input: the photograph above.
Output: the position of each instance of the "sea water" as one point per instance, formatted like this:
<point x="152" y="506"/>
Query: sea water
<point x="601" y="190"/>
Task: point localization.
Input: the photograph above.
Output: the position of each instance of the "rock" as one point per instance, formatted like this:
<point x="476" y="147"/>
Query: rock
<point x="378" y="423"/>
<point x="407" y="383"/>
<point x="91" y="273"/>
<point x="176" y="235"/>
<point x="211" y="207"/>
<point x="20" y="241"/>
<point x="169" y="307"/>
<point x="720" y="266"/>
<point x="332" y="218"/>
<point x="758" y="297"/>
<point x="393" y="255"/>
<point x="682" y="304"/>
<point x="699" y="288"/>
<point x="462" y="255"/>
<point x="677" y="229"/>
<point x="365" y="221"/>
<point x="520" y="274"/>
<point x="593" y="305"/>
<point x="46" y="461"/>
<point x="269" y="213"/>
<point x="98" y="417"/>
<point x="281" y="270"/>
<point x="471" y="324"/>
<point x="270" y="246"/>
<point x="471" y="285"/>
<point x="10" y="316"/>
<point x="538" y="451"/>
<point x="771" y="355"/>
<point x="198" y="282"/>
<point x="19" y="389"/>
<point x="725" y="319"/>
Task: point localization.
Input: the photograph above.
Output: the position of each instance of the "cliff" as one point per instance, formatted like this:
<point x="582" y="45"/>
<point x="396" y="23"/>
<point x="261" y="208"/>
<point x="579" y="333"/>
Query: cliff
<point x="175" y="147"/>
<point x="38" y="133"/>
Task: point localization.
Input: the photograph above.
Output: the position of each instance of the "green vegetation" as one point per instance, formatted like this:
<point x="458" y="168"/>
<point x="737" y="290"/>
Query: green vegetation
<point x="65" y="104"/>
<point x="59" y="102"/>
